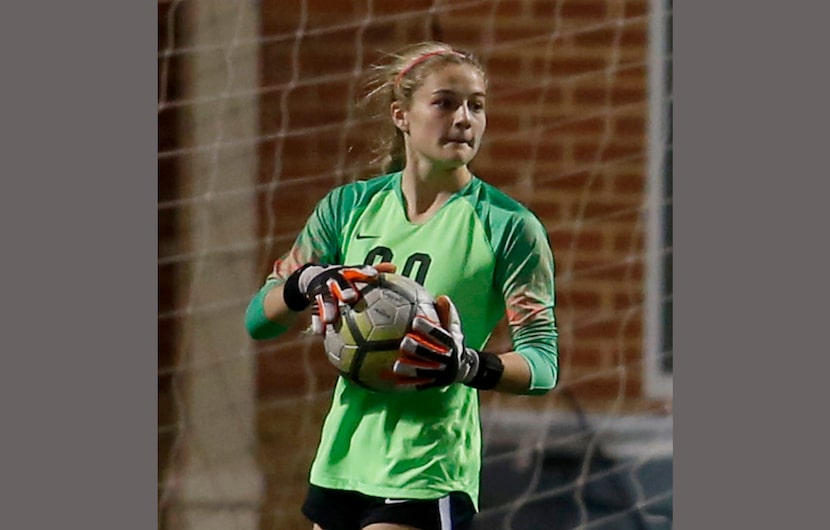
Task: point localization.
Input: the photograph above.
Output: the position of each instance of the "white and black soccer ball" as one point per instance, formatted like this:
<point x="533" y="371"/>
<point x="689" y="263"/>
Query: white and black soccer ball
<point x="364" y="343"/>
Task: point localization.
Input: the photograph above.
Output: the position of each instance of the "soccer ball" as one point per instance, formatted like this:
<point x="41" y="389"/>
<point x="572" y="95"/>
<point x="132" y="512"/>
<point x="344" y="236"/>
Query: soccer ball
<point x="364" y="342"/>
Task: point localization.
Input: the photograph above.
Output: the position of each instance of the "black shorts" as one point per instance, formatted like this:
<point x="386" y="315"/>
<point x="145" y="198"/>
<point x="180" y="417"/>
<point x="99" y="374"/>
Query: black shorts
<point x="349" y="510"/>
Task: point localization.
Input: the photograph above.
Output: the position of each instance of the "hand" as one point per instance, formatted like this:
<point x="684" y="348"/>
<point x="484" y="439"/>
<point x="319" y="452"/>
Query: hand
<point x="433" y="354"/>
<point x="327" y="286"/>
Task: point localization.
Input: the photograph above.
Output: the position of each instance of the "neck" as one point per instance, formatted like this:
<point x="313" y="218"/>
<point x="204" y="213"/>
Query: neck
<point x="426" y="189"/>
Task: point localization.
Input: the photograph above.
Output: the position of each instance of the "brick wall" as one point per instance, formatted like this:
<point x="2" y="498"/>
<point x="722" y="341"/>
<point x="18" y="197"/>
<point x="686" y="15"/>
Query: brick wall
<point x="566" y="136"/>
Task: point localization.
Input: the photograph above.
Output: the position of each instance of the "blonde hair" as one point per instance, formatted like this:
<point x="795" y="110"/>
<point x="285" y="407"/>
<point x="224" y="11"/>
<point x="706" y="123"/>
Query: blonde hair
<point x="397" y="80"/>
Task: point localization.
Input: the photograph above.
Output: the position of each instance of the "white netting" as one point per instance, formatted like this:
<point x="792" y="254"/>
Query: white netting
<point x="256" y="123"/>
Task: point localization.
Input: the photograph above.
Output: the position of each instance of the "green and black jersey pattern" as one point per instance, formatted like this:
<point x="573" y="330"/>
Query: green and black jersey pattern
<point x="491" y="255"/>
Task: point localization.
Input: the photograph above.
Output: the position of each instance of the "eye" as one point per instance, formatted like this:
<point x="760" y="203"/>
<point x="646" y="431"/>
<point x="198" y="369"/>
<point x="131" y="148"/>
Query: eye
<point x="477" y="106"/>
<point x="445" y="103"/>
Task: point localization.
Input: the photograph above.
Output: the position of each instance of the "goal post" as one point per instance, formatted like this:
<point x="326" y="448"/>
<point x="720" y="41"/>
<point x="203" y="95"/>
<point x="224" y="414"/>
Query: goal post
<point x="212" y="480"/>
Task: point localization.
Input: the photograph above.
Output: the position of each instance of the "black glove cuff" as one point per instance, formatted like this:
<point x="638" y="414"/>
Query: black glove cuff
<point x="294" y="299"/>
<point x="489" y="372"/>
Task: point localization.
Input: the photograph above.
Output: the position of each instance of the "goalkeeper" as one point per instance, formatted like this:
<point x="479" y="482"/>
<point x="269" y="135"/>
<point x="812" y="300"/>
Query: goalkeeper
<point x="406" y="460"/>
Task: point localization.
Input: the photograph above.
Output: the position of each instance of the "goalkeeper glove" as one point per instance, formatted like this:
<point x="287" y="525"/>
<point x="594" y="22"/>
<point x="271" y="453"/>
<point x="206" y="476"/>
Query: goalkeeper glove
<point x="326" y="286"/>
<point x="434" y="355"/>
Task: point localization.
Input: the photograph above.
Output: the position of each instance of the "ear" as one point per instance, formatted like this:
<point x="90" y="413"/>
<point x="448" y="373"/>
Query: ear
<point x="399" y="116"/>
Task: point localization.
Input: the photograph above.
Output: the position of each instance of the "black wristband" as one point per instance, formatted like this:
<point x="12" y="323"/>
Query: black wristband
<point x="490" y="370"/>
<point x="294" y="299"/>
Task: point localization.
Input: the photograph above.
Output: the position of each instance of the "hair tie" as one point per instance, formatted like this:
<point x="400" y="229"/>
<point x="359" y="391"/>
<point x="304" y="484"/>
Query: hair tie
<point x="421" y="58"/>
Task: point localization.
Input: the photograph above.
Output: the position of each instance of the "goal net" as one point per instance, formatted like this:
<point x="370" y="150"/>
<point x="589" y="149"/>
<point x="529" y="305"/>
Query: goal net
<point x="257" y="122"/>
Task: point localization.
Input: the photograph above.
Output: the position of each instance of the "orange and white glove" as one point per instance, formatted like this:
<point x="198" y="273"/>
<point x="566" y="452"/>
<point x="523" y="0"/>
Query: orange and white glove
<point x="328" y="286"/>
<point x="433" y="354"/>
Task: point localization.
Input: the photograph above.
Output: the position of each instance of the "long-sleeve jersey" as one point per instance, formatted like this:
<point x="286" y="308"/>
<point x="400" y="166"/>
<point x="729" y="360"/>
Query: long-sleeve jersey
<point x="492" y="257"/>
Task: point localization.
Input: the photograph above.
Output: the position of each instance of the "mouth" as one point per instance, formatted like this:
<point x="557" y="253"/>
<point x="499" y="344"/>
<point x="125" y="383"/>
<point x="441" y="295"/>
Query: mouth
<point x="460" y="141"/>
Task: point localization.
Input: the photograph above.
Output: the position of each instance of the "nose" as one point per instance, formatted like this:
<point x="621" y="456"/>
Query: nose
<point x="462" y="116"/>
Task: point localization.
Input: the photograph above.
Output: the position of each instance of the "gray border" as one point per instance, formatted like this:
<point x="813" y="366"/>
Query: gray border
<point x="78" y="253"/>
<point x="751" y="192"/>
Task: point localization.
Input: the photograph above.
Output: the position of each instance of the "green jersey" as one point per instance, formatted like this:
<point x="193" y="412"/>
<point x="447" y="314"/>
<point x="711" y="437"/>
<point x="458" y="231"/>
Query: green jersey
<point x="491" y="256"/>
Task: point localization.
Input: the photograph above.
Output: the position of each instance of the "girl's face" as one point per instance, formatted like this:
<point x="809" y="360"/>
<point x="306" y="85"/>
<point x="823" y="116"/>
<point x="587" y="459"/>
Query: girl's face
<point x="446" y="118"/>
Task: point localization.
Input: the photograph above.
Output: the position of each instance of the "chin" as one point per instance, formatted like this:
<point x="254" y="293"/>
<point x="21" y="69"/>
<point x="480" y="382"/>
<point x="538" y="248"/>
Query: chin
<point x="452" y="160"/>
<point x="452" y="165"/>
<point x="460" y="157"/>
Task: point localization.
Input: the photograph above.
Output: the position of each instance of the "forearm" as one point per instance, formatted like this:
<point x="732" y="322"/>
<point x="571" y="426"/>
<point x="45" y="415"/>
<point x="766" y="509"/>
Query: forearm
<point x="275" y="307"/>
<point x="516" y="376"/>
<point x="529" y="371"/>
<point x="268" y="315"/>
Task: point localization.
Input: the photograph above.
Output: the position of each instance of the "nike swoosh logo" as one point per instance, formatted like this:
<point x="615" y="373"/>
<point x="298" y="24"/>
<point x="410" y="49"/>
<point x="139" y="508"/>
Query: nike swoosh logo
<point x="394" y="501"/>
<point x="363" y="236"/>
